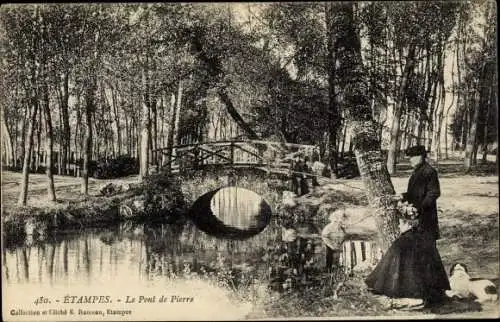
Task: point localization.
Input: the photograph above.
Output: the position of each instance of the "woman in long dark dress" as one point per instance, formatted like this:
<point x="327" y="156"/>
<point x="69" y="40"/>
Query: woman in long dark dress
<point x="411" y="267"/>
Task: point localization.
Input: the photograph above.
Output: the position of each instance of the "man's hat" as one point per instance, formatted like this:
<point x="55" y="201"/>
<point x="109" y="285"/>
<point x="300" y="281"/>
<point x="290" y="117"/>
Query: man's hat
<point x="416" y="150"/>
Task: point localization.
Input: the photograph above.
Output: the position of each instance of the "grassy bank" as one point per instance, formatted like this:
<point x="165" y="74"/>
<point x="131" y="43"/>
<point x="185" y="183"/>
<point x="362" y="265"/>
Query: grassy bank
<point x="74" y="210"/>
<point x="469" y="227"/>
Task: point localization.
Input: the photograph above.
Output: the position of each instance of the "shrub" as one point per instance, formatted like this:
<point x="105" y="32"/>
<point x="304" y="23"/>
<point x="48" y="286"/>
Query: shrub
<point x="163" y="196"/>
<point x="123" y="165"/>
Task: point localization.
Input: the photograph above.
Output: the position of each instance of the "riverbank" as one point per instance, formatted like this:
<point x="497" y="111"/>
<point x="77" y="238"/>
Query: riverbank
<point x="468" y="220"/>
<point x="72" y="209"/>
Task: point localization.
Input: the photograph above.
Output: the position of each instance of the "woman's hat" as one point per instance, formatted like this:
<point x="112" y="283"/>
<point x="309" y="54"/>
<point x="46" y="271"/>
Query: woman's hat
<point x="416" y="151"/>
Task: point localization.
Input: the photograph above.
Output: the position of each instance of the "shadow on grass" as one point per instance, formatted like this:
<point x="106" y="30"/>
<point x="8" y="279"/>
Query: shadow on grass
<point x="488" y="195"/>
<point x="471" y="225"/>
<point x="451" y="169"/>
<point x="454" y="306"/>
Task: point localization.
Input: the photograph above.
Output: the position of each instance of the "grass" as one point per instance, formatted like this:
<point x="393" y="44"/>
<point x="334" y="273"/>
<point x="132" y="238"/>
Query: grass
<point x="469" y="229"/>
<point x="67" y="190"/>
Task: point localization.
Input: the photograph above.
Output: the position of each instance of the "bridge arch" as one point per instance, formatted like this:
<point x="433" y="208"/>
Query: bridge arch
<point x="269" y="185"/>
<point x="231" y="212"/>
<point x="257" y="190"/>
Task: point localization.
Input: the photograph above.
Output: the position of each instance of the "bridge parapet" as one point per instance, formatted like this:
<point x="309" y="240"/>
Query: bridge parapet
<point x="269" y="154"/>
<point x="269" y="185"/>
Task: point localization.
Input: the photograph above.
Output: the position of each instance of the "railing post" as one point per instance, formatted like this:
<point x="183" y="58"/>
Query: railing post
<point x="232" y="152"/>
<point x="196" y="152"/>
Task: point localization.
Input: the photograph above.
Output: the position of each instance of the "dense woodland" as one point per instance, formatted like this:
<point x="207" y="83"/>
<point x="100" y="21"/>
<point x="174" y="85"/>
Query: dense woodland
<point x="87" y="81"/>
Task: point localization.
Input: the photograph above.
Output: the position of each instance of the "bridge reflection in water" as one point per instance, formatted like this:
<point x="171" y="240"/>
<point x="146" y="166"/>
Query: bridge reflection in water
<point x="137" y="259"/>
<point x="236" y="207"/>
<point x="231" y="212"/>
<point x="129" y="253"/>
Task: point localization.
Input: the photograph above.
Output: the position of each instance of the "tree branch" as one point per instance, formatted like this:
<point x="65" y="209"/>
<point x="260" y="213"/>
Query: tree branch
<point x="215" y="71"/>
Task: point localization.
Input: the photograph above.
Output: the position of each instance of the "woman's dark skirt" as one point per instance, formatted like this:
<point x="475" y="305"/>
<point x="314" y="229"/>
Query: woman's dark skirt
<point x="411" y="268"/>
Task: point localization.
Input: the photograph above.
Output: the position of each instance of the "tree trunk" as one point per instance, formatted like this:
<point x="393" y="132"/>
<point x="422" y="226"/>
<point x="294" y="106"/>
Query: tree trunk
<point x="448" y="112"/>
<point x="150" y="137"/>
<point x="406" y="135"/>
<point x="117" y="121"/>
<point x="90" y="106"/>
<point x="231" y="109"/>
<point x="334" y="103"/>
<point x="420" y="127"/>
<point x="471" y="137"/>
<point x="486" y="122"/>
<point x="36" y="157"/>
<point x="175" y="139"/>
<point x="51" y="191"/>
<point x="457" y="91"/>
<point x="161" y="139"/>
<point x="137" y="136"/>
<point x="170" y="134"/>
<point x="24" y="134"/>
<point x="415" y="123"/>
<point x="146" y="120"/>
<point x="344" y="137"/>
<point x="465" y="122"/>
<point x="474" y="152"/>
<point x="144" y="155"/>
<point x="429" y="85"/>
<point x="431" y="131"/>
<point x="440" y="112"/>
<point x="66" y="142"/>
<point x="87" y="143"/>
<point x="15" y="142"/>
<point x="109" y="140"/>
<point x="23" y="195"/>
<point x="215" y="70"/>
<point x="373" y="170"/>
<point x="77" y="140"/>
<point x="127" y="136"/>
<point x="431" y="118"/>
<point x="7" y="149"/>
<point x="154" y="128"/>
<point x="398" y="110"/>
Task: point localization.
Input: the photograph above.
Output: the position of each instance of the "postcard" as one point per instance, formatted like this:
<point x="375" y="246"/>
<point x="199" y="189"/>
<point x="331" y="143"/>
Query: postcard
<point x="249" y="161"/>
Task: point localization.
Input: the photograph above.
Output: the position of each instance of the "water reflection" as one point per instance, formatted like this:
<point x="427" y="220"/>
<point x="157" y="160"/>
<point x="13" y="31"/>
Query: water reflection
<point x="132" y="253"/>
<point x="239" y="208"/>
<point x="128" y="251"/>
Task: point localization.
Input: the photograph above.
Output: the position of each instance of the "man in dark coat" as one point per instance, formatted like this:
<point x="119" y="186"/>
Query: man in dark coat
<point x="423" y="190"/>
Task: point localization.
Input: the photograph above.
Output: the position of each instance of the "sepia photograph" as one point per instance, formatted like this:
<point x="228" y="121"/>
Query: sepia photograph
<point x="209" y="161"/>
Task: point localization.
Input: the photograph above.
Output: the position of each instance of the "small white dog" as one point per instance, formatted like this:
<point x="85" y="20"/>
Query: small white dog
<point x="462" y="286"/>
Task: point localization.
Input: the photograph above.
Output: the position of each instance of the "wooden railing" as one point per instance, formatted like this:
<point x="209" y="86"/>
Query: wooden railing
<point x="230" y="153"/>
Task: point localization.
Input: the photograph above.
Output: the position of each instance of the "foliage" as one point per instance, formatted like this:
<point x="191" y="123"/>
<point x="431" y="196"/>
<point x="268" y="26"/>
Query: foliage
<point x="296" y="216"/>
<point x="478" y="83"/>
<point x="270" y="59"/>
<point x="120" y="166"/>
<point x="163" y="197"/>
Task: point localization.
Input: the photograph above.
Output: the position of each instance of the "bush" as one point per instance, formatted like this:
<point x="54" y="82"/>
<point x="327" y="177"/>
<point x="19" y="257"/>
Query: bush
<point x="348" y="169"/>
<point x="92" y="166"/>
<point x="123" y="165"/>
<point x="163" y="196"/>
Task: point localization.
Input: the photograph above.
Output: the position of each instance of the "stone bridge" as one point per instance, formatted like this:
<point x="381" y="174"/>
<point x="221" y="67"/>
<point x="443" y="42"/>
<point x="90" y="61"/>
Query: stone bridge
<point x="233" y="203"/>
<point x="235" y="187"/>
<point x="218" y="196"/>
